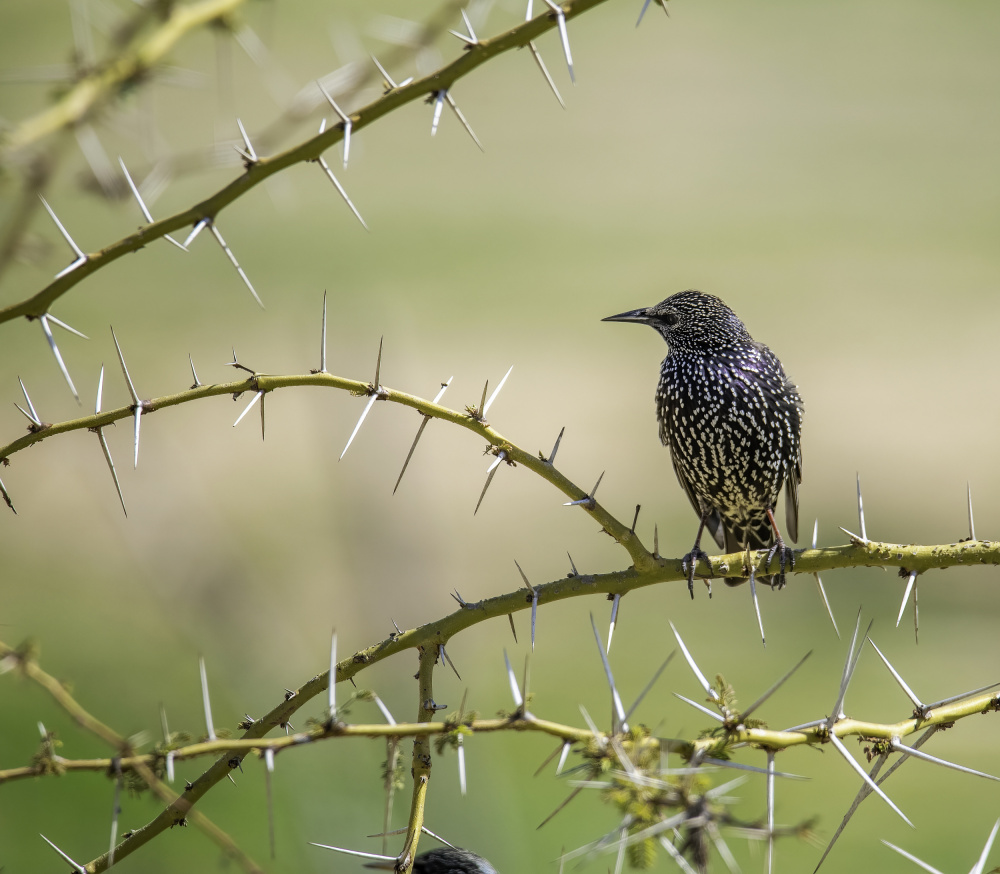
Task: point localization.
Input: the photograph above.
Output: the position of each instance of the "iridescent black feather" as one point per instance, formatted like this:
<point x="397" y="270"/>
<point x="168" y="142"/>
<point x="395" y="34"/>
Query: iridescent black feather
<point x="731" y="417"/>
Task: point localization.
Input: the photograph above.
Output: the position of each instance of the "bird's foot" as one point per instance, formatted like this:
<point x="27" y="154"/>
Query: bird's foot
<point x="688" y="564"/>
<point x="786" y="558"/>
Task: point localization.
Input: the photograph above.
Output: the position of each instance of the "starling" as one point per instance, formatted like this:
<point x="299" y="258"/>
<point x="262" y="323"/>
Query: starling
<point x="449" y="860"/>
<point x="733" y="422"/>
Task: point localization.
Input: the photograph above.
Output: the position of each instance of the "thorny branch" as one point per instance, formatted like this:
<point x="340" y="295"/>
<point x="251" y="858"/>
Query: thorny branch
<point x="646" y="569"/>
<point x="425" y="640"/>
<point x="127" y="69"/>
<point x="22" y="659"/>
<point x="87" y="95"/>
<point x="310" y="150"/>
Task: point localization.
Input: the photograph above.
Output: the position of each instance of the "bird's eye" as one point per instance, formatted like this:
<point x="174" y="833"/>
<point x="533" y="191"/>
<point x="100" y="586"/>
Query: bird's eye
<point x="671" y="319"/>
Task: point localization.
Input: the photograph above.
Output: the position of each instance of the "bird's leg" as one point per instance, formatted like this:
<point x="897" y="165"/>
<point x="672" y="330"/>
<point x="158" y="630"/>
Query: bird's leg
<point x="784" y="553"/>
<point x="690" y="560"/>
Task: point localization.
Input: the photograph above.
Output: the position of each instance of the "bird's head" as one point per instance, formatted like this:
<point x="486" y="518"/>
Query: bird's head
<point x="690" y="320"/>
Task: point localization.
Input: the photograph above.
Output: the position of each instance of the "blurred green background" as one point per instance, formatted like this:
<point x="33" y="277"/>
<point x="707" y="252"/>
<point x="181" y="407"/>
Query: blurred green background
<point x="829" y="169"/>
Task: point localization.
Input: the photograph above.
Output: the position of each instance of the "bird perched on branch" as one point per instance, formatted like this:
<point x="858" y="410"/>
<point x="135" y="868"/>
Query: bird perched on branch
<point x="732" y="420"/>
<point x="448" y="860"/>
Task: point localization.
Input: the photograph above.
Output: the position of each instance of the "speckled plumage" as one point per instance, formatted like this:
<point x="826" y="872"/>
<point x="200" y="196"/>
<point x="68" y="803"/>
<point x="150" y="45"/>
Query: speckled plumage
<point x="730" y="416"/>
<point x="443" y="860"/>
<point x="451" y="860"/>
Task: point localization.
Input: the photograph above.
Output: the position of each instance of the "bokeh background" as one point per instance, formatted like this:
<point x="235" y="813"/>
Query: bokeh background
<point x="829" y="169"/>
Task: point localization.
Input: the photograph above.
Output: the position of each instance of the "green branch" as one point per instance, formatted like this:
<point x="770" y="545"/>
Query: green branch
<point x="592" y="746"/>
<point x="442" y="79"/>
<point x="646" y="569"/>
<point x="97" y="88"/>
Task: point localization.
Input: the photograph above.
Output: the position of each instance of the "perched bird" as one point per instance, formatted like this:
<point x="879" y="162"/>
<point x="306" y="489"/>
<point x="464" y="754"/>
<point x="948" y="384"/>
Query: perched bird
<point x="732" y="420"/>
<point x="449" y="860"/>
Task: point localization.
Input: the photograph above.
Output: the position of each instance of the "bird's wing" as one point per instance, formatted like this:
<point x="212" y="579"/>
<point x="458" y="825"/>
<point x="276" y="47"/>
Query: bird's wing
<point x="792" y="500"/>
<point x="713" y="524"/>
<point x="795" y="474"/>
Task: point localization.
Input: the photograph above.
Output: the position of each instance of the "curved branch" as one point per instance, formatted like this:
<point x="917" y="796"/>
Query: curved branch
<point x="266" y="383"/>
<point x="91" y="92"/>
<point x="441" y="80"/>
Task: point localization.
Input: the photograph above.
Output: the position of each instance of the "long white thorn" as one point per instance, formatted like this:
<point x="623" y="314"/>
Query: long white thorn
<point x="385" y="74"/>
<point x="562" y="757"/>
<point x="514" y="690"/>
<point x="490" y="473"/>
<point x="978" y="869"/>
<point x="912" y="858"/>
<point x="864" y="776"/>
<point x="972" y="523"/>
<point x="461" y="118"/>
<point x="128" y="379"/>
<point x="332" y="683"/>
<point x="496" y="391"/>
<point x="438" y="107"/>
<point x="322" y="339"/>
<point x="902" y="683"/>
<point x="850" y="663"/>
<point x="249" y="154"/>
<point x="76" y="866"/>
<point x="206" y="703"/>
<point x="906" y="595"/>
<point x="350" y="440"/>
<point x="461" y="766"/>
<point x="357" y="853"/>
<point x="6" y="498"/>
<point x="951" y="698"/>
<point x="900" y="747"/>
<point x="257" y="396"/>
<point x="66" y="327"/>
<point x="34" y="417"/>
<point x="232" y="259"/>
<point x="340" y="190"/>
<point x="44" y="322"/>
<point x="199" y="226"/>
<point x="142" y="204"/>
<point x="615" y="697"/>
<point x="345" y="119"/>
<point x="468" y="24"/>
<point x="614" y="618"/>
<point x="710" y="713"/>
<point x="691" y="663"/>
<point x="545" y="72"/>
<point x="385" y="710"/>
<point x="137" y="404"/>
<point x="81" y="257"/>
<point x="819" y="584"/>
<point x="116" y="810"/>
<point x="861" y="512"/>
<point x="563" y="37"/>
<point x="111" y="467"/>
<point x="534" y="617"/>
<point x="756" y="606"/>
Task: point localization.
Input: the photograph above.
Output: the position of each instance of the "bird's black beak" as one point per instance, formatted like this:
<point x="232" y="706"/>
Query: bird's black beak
<point x="640" y="316"/>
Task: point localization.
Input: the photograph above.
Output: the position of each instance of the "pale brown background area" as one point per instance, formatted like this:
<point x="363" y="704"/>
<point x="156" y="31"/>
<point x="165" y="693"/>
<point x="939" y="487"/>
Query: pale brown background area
<point x="830" y="170"/>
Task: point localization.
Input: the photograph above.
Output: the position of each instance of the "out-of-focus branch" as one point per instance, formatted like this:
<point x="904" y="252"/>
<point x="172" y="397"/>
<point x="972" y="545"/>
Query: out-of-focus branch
<point x="23" y="661"/>
<point x="722" y="742"/>
<point x="102" y="85"/>
<point x="441" y="80"/>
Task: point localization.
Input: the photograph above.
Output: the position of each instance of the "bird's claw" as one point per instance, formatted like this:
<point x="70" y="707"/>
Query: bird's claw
<point x="786" y="557"/>
<point x="688" y="564"/>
